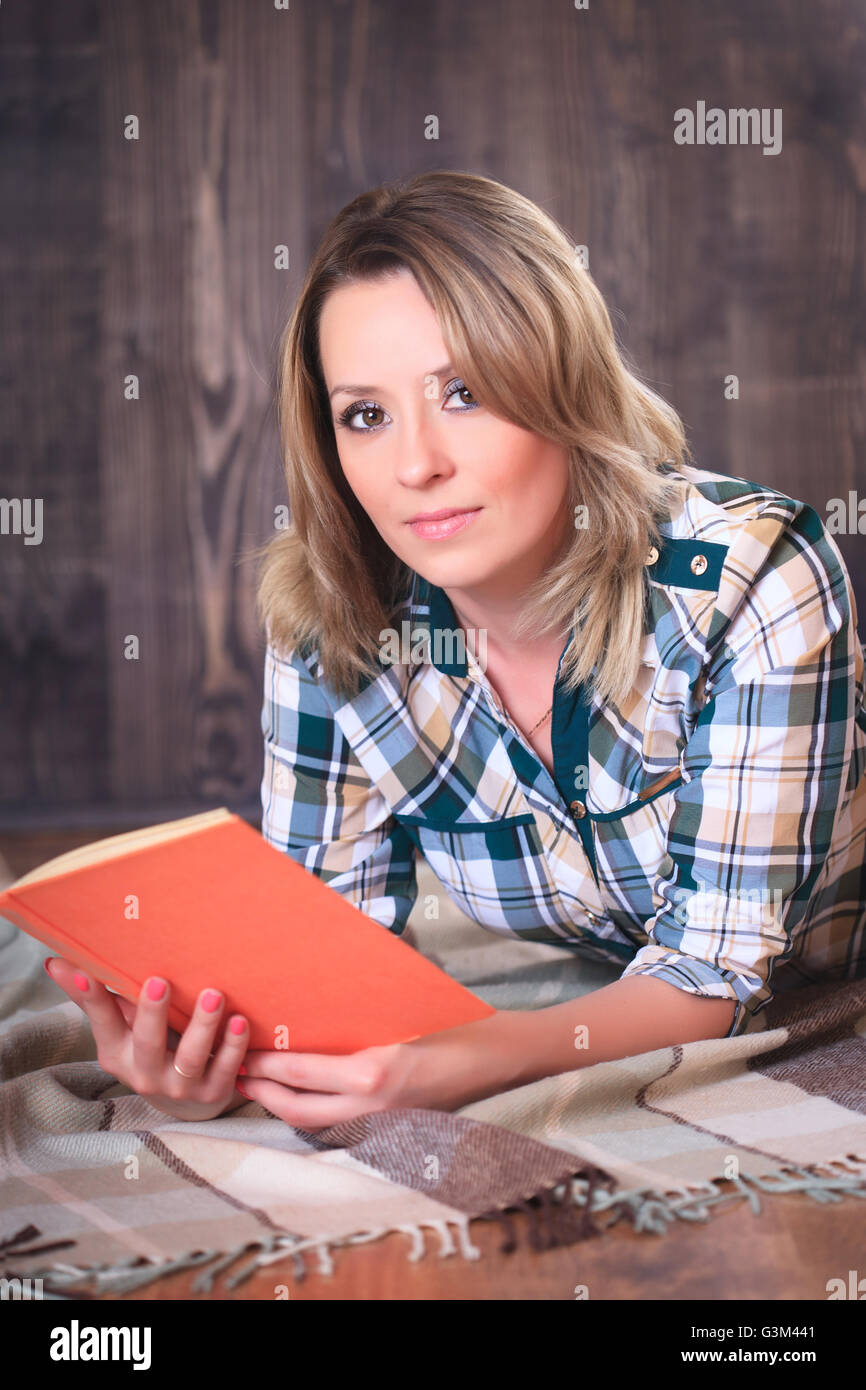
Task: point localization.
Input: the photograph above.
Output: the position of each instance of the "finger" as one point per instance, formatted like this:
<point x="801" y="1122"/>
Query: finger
<point x="306" y="1109"/>
<point x="230" y="1054"/>
<point x="129" y="1011"/>
<point x="107" y="1022"/>
<point x="149" y="1030"/>
<point x="126" y="1008"/>
<point x="197" y="1041"/>
<point x="360" y="1073"/>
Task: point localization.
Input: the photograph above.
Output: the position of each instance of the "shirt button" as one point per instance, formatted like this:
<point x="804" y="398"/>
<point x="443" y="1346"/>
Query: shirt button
<point x="593" y="920"/>
<point x="578" y="810"/>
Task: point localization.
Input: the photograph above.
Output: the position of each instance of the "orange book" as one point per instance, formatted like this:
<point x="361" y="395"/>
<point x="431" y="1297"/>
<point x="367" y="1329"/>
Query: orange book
<point x="206" y="902"/>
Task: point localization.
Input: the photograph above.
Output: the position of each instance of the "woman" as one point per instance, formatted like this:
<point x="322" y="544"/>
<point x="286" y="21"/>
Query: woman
<point x="615" y="701"/>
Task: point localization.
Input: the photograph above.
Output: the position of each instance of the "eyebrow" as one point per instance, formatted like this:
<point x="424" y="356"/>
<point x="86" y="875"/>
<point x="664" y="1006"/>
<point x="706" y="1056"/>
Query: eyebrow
<point x="356" y="390"/>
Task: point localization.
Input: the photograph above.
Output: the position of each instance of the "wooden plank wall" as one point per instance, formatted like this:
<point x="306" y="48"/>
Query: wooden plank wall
<point x="155" y="258"/>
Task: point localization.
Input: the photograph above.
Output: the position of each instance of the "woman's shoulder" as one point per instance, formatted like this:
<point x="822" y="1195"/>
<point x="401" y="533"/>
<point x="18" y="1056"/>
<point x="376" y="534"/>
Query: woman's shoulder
<point x="756" y="551"/>
<point x="726" y="500"/>
<point x="296" y="676"/>
<point x="746" y="524"/>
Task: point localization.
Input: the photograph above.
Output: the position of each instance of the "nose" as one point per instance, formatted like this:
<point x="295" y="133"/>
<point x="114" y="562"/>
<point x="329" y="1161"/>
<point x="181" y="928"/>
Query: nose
<point x="422" y="451"/>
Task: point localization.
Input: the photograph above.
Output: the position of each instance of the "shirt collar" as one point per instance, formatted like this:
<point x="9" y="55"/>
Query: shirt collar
<point x="451" y="654"/>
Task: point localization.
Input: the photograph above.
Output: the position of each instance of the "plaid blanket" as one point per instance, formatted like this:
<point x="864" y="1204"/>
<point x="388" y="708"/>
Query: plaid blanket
<point x="100" y="1192"/>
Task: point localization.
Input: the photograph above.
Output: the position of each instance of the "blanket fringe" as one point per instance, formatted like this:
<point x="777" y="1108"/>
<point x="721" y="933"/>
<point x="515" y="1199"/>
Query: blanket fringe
<point x="560" y="1215"/>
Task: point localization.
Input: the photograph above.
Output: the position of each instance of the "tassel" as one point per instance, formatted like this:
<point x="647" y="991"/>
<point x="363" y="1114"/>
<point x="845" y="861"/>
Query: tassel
<point x="28" y="1233"/>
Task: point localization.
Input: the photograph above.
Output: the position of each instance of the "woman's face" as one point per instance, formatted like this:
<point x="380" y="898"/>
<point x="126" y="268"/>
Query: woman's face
<point x="412" y="441"/>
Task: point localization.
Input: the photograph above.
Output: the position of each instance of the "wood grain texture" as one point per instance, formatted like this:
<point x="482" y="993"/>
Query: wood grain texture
<point x="787" y="1251"/>
<point x="155" y="258"/>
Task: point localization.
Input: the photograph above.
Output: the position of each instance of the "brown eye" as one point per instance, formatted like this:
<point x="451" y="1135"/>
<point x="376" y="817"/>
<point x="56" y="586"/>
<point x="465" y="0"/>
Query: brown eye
<point x="363" y="410"/>
<point x="460" y="389"/>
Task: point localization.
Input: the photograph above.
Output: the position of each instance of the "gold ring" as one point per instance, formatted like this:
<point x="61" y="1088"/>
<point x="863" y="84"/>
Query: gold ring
<point x="190" y="1075"/>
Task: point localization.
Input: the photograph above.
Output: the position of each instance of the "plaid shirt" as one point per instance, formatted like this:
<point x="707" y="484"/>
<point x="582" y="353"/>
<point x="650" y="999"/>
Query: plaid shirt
<point x="709" y="831"/>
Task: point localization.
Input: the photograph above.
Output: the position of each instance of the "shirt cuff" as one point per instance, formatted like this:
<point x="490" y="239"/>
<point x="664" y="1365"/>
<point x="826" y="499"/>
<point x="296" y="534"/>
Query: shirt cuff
<point x="703" y="978"/>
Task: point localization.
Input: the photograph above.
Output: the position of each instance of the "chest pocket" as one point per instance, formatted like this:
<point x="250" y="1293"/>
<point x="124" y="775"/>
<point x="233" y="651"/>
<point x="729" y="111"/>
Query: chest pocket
<point x="496" y="841"/>
<point x="438" y="822"/>
<point x="660" y="786"/>
<point x="669" y="721"/>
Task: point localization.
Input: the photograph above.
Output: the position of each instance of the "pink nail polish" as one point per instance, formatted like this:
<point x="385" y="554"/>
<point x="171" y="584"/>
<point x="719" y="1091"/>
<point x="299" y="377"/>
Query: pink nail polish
<point x="237" y="1026"/>
<point x="47" y="964"/>
<point x="210" y="1001"/>
<point x="242" y="1071"/>
<point x="80" y="981"/>
<point x="239" y="1087"/>
<point x="155" y="989"/>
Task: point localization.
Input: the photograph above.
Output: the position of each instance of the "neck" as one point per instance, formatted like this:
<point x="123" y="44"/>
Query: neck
<point x="496" y="622"/>
<point x="495" y="607"/>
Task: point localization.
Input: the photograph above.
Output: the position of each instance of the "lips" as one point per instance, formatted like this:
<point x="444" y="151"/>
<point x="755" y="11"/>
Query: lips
<point x="437" y="526"/>
<point x="442" y="514"/>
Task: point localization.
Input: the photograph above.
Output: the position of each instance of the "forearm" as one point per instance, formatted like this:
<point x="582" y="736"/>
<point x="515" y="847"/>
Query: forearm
<point x="637" y="1014"/>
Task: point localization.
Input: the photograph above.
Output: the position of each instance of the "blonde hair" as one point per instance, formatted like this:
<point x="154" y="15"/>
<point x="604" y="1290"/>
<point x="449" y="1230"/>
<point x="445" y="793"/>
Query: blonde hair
<point x="528" y="330"/>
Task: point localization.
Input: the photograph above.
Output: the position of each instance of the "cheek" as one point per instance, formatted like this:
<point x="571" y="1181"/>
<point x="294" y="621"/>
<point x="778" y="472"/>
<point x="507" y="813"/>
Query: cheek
<point x="535" y="493"/>
<point x="358" y="480"/>
<point x="369" y="490"/>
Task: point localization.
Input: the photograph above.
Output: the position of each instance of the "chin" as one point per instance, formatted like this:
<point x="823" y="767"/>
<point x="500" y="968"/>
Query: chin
<point x="453" y="574"/>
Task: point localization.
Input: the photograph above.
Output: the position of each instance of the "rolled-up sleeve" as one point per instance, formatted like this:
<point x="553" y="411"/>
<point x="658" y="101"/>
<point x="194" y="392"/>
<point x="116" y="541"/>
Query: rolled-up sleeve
<point x="320" y="806"/>
<point x="766" y="770"/>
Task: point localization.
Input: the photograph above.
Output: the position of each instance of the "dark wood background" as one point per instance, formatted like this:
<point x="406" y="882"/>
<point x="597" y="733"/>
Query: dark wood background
<point x="155" y="257"/>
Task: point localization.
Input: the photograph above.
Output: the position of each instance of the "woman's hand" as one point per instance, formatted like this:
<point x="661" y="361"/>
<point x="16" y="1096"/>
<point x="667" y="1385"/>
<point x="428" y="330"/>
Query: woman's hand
<point x="131" y="1043"/>
<point x="442" y="1071"/>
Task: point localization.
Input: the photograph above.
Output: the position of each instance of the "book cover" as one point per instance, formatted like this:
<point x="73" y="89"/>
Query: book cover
<point x="207" y="902"/>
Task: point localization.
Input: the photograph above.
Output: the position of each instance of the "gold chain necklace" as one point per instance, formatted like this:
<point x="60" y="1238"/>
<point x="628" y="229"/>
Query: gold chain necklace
<point x="535" y="726"/>
<point x="540" y="722"/>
